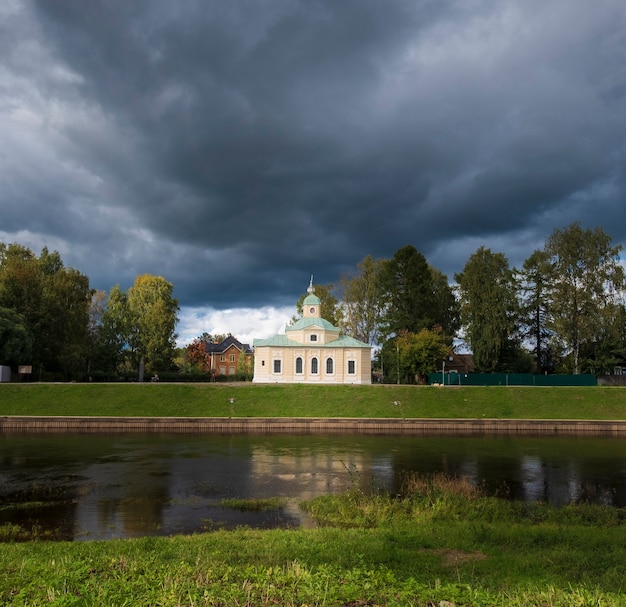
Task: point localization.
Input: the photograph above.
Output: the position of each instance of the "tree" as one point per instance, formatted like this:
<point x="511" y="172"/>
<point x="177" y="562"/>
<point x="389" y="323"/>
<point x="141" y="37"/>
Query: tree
<point x="115" y="333"/>
<point x="488" y="310"/>
<point x="420" y="353"/>
<point x="407" y="283"/>
<point x="586" y="283"/>
<point x="153" y="314"/>
<point x="446" y="306"/>
<point x="534" y="288"/>
<point x="362" y="301"/>
<point x="16" y="341"/>
<point x="197" y="356"/>
<point x="53" y="301"/>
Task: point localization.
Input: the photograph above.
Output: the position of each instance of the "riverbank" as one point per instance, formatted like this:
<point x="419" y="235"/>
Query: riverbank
<point x="440" y="543"/>
<point x="12" y="424"/>
<point x="245" y="400"/>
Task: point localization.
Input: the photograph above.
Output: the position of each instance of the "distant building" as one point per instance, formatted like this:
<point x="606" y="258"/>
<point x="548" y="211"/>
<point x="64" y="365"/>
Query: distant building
<point x="225" y="357"/>
<point x="312" y="351"/>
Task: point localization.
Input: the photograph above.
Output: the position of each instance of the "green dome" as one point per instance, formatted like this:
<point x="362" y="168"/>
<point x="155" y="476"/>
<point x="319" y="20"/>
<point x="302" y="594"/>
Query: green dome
<point x="311" y="300"/>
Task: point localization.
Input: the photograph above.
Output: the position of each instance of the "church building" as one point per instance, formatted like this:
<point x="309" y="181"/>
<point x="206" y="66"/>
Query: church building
<point x="312" y="351"/>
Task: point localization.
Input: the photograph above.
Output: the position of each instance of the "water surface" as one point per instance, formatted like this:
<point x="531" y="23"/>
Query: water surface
<point x="99" y="487"/>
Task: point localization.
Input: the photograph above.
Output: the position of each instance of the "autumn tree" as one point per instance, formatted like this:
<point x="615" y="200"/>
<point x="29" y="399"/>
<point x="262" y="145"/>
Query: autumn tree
<point x="197" y="356"/>
<point x="153" y="314"/>
<point x="488" y="310"/>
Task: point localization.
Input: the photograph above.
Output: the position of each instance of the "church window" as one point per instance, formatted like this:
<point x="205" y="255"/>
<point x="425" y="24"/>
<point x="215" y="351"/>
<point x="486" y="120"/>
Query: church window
<point x="299" y="364"/>
<point x="314" y="369"/>
<point x="329" y="366"/>
<point x="313" y="337"/>
<point x="277" y="366"/>
<point x="351" y="367"/>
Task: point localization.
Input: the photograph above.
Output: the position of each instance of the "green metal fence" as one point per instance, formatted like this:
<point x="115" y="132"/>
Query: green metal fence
<point x="510" y="379"/>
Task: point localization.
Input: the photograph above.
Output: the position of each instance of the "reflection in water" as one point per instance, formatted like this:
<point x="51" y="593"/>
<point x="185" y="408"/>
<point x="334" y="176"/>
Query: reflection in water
<point x="87" y="487"/>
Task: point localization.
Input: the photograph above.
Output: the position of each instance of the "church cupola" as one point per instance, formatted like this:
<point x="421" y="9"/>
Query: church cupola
<point x="311" y="306"/>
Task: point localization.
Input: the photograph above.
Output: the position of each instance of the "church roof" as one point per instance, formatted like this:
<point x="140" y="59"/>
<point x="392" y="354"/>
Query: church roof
<point x="305" y="323"/>
<point x="277" y="340"/>
<point x="312" y="300"/>
<point x="283" y="341"/>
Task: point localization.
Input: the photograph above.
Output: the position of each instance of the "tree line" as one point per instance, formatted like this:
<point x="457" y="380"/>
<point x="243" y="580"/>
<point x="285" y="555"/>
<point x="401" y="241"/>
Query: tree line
<point x="54" y="322"/>
<point x="562" y="311"/>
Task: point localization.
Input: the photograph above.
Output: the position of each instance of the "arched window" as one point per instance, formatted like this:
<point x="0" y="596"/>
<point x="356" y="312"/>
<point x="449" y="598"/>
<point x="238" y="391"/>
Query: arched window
<point x="314" y="366"/>
<point x="329" y="366"/>
<point x="299" y="364"/>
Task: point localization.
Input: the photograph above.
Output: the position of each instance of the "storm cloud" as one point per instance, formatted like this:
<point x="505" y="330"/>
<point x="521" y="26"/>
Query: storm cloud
<point x="236" y="148"/>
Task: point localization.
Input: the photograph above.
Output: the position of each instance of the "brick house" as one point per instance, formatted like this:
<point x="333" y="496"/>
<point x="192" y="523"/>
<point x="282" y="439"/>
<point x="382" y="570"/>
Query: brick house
<point x="225" y="358"/>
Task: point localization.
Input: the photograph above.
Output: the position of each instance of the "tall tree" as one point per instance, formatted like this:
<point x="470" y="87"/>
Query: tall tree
<point x="488" y="308"/>
<point x="446" y="306"/>
<point x="587" y="281"/>
<point x="534" y="287"/>
<point x="115" y="334"/>
<point x="362" y="301"/>
<point x="154" y="313"/>
<point x="407" y="282"/>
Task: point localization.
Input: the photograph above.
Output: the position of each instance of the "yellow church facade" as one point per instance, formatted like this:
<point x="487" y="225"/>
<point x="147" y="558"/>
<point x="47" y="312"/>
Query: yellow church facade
<point x="312" y="351"/>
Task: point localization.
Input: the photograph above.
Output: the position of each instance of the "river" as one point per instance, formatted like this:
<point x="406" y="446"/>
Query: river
<point x="101" y="487"/>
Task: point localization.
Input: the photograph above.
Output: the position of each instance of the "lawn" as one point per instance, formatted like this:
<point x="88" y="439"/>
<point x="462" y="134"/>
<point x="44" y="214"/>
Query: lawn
<point x="303" y="400"/>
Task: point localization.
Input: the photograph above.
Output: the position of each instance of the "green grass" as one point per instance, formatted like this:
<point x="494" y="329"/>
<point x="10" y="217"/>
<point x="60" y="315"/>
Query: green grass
<point x="440" y="540"/>
<point x="252" y="400"/>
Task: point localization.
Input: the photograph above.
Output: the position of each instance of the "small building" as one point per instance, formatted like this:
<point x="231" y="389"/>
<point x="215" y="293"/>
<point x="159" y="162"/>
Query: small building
<point x="312" y="350"/>
<point x="225" y="358"/>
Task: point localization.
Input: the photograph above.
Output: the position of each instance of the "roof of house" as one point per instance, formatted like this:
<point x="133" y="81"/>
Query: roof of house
<point x="227" y="343"/>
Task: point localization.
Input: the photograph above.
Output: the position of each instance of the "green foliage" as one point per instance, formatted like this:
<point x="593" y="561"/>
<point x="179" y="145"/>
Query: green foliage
<point x="408" y="286"/>
<point x="535" y="307"/>
<point x="53" y="303"/>
<point x="488" y="310"/>
<point x="16" y="340"/>
<point x="362" y="301"/>
<point x="421" y="353"/>
<point x="139" y="326"/>
<point x="587" y="281"/>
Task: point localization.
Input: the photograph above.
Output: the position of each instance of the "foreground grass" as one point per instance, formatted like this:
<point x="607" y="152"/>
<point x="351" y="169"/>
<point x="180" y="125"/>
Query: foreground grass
<point x="251" y="400"/>
<point x="438" y="544"/>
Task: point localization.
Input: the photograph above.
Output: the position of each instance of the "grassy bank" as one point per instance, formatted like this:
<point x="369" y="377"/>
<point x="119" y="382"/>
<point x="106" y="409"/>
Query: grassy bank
<point x="252" y="400"/>
<point x="440" y="543"/>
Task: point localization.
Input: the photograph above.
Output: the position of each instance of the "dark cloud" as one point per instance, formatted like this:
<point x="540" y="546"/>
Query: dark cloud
<point x="235" y="148"/>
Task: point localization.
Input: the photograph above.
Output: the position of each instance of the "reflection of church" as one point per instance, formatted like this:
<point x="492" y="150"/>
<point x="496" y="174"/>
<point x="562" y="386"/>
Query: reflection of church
<point x="312" y="351"/>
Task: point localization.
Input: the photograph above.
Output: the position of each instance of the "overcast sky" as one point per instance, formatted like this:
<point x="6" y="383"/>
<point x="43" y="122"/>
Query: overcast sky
<point x="237" y="147"/>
